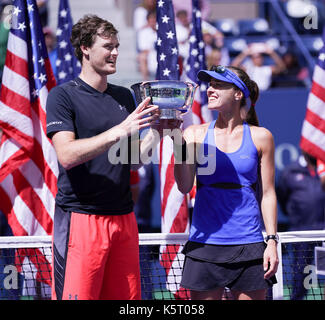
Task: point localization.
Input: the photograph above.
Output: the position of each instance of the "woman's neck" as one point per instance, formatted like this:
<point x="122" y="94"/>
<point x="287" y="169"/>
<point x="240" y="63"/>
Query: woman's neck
<point x="228" y="121"/>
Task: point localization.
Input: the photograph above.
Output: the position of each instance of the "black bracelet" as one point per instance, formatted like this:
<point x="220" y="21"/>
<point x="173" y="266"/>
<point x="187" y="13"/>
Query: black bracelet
<point x="274" y="237"/>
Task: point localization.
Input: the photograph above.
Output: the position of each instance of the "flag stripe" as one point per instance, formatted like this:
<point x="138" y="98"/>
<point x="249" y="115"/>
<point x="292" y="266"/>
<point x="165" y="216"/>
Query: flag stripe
<point x="314" y="120"/>
<point x="32" y="200"/>
<point x="173" y="206"/>
<point x="17" y="64"/>
<point x="15" y="82"/>
<point x="11" y="148"/>
<point x="25" y="217"/>
<point x="35" y="179"/>
<point x="49" y="168"/>
<point x="18" y="46"/>
<point x="168" y="186"/>
<point x="18" y="135"/>
<point x="316" y="105"/>
<point x="46" y="157"/>
<point x="8" y="211"/>
<point x="196" y="107"/>
<point x="313" y="128"/>
<point x="15" y="101"/>
<point x="318" y="91"/>
<point x="12" y="163"/>
<point x="316" y="136"/>
<point x="181" y="219"/>
<point x="319" y="74"/>
<point x="312" y="148"/>
<point x="13" y="120"/>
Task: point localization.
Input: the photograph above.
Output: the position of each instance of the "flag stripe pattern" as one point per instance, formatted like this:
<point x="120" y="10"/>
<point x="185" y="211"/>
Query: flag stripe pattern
<point x="28" y="165"/>
<point x="173" y="202"/>
<point x="313" y="129"/>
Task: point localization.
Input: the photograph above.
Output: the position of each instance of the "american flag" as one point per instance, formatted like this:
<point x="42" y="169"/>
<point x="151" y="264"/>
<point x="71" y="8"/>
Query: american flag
<point x="173" y="203"/>
<point x="28" y="165"/>
<point x="167" y="47"/>
<point x="196" y="61"/>
<point x="313" y="129"/>
<point x="68" y="67"/>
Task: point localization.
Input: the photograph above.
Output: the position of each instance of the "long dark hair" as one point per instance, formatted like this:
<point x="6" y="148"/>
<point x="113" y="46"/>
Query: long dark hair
<point x="254" y="92"/>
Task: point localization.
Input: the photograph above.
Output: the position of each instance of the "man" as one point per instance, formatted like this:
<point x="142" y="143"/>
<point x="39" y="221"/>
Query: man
<point x="95" y="241"/>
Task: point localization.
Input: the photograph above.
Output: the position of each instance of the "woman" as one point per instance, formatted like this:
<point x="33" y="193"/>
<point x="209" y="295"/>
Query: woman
<point x="233" y="161"/>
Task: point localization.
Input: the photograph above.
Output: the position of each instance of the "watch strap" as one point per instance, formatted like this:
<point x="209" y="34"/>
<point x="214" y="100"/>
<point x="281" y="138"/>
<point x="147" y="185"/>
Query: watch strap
<point x="274" y="237"/>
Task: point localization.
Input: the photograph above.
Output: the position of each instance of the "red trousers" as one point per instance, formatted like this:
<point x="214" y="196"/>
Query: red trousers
<point x="102" y="259"/>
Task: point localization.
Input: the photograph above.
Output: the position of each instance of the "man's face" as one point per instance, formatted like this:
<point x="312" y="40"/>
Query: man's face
<point x="102" y="55"/>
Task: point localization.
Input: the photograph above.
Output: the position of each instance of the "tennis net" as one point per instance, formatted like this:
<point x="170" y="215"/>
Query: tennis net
<point x="25" y="267"/>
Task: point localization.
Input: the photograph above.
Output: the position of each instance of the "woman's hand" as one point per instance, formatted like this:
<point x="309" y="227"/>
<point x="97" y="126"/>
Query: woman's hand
<point x="167" y="127"/>
<point x="271" y="260"/>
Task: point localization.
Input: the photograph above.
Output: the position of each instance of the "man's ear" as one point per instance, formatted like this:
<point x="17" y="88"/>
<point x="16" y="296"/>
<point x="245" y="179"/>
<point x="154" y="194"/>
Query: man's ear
<point x="85" y="50"/>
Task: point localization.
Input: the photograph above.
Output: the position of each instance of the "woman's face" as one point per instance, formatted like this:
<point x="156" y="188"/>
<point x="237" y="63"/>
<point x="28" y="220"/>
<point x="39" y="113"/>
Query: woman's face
<point x="220" y="95"/>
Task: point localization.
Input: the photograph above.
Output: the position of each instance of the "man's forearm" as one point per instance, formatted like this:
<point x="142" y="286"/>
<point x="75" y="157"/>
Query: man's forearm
<point x="78" y="151"/>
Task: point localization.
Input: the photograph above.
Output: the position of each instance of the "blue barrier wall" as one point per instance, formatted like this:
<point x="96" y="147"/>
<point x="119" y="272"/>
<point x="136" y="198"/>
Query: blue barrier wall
<point x="282" y="111"/>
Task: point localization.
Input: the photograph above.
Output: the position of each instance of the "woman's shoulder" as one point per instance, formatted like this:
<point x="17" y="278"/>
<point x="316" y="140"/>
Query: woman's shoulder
<point x="262" y="138"/>
<point x="196" y="132"/>
<point x="261" y="133"/>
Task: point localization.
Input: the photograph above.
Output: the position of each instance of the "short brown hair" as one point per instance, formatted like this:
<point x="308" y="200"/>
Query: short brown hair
<point x="85" y="31"/>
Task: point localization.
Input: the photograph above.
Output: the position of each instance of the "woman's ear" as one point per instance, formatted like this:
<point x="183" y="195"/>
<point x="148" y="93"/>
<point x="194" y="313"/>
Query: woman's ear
<point x="238" y="95"/>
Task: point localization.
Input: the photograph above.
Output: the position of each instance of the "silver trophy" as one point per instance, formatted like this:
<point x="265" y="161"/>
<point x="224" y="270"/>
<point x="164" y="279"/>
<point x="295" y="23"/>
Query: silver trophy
<point x="173" y="97"/>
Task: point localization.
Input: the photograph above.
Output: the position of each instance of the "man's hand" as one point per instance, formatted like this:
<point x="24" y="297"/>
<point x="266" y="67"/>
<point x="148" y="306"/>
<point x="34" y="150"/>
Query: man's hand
<point x="143" y="116"/>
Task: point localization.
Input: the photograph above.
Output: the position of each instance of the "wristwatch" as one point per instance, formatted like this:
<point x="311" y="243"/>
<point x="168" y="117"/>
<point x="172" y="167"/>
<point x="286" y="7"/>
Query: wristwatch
<point x="274" y="237"/>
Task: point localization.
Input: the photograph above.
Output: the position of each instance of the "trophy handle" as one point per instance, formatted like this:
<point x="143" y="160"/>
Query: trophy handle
<point x="138" y="92"/>
<point x="191" y="89"/>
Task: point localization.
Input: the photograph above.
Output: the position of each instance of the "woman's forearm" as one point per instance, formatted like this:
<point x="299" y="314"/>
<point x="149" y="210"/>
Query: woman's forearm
<point x="269" y="212"/>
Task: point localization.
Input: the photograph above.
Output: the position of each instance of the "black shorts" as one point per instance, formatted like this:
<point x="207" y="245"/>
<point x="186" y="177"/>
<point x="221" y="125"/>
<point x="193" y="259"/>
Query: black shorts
<point x="239" y="267"/>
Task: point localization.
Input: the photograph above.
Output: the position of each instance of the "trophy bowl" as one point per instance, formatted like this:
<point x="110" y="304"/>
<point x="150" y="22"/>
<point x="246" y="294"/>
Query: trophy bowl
<point x="173" y="97"/>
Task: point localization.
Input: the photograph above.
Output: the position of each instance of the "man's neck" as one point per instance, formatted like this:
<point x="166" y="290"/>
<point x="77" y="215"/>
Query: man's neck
<point x="95" y="80"/>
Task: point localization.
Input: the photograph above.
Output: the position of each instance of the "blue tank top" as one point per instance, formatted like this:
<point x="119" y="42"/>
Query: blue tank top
<point x="226" y="210"/>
